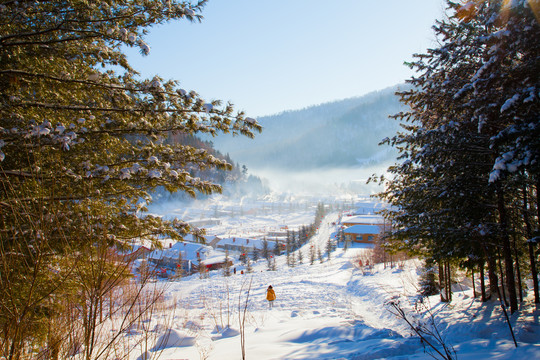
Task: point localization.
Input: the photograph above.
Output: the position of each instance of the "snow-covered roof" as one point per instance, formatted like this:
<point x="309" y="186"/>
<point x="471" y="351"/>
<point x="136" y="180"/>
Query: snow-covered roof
<point x="217" y="259"/>
<point x="363" y="219"/>
<point x="189" y="251"/>
<point x="363" y="229"/>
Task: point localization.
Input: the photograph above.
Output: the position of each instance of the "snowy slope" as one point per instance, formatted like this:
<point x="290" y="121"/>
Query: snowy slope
<point x="329" y="310"/>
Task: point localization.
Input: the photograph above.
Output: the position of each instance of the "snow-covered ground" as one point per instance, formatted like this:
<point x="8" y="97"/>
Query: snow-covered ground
<point x="328" y="310"/>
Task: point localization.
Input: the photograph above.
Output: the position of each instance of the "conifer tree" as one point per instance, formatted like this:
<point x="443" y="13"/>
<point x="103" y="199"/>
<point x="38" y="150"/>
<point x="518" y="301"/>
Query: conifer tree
<point x="277" y="248"/>
<point x="343" y="239"/>
<point x="464" y="153"/>
<point x="292" y="260"/>
<point x="269" y="263"/>
<point x="329" y="247"/>
<point x="227" y="264"/>
<point x="288" y="247"/>
<point x="243" y="255"/>
<point x="83" y="144"/>
<point x="265" y="249"/>
<point x="272" y="263"/>
<point x="311" y="255"/>
<point x="255" y="254"/>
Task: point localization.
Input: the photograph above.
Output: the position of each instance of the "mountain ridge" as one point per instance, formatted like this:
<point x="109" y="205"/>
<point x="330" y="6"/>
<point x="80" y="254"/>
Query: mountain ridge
<point x="337" y="133"/>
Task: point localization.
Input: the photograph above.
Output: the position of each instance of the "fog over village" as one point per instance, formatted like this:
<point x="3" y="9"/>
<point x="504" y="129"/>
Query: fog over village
<point x="367" y="213"/>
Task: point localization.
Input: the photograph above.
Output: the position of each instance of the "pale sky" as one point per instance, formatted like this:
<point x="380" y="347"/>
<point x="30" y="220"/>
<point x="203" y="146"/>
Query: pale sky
<point x="268" y="56"/>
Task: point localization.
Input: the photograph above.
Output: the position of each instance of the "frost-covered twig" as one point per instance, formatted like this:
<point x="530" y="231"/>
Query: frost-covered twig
<point x="430" y="337"/>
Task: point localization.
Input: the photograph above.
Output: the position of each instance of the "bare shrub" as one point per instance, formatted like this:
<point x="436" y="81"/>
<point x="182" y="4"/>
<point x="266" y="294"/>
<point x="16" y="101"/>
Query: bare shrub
<point x="426" y="329"/>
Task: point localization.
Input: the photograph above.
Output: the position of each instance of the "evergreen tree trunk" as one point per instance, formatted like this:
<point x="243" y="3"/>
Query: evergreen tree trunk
<point x="448" y="282"/>
<point x="493" y="278"/>
<point x="534" y="272"/>
<point x="482" y="282"/>
<point x="501" y="271"/>
<point x="530" y="245"/>
<point x="518" y="270"/>
<point x="473" y="284"/>
<point x="445" y="279"/>
<point x="538" y="202"/>
<point x="442" y="282"/>
<point x="507" y="252"/>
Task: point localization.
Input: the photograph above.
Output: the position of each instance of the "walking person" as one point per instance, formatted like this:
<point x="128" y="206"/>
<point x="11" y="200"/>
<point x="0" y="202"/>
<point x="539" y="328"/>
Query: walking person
<point x="270" y="296"/>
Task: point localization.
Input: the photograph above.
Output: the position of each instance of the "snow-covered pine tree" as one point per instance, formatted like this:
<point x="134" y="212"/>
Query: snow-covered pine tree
<point x="277" y="248"/>
<point x="294" y="241"/>
<point x="311" y="255"/>
<point x="83" y="144"/>
<point x="243" y="255"/>
<point x="265" y="251"/>
<point x="300" y="257"/>
<point x="272" y="266"/>
<point x="255" y="254"/>
<point x="329" y="247"/>
<point x="269" y="263"/>
<point x="343" y="239"/>
<point x="463" y="157"/>
<point x="227" y="264"/>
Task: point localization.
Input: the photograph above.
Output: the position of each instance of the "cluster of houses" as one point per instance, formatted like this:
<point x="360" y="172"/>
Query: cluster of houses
<point x="189" y="257"/>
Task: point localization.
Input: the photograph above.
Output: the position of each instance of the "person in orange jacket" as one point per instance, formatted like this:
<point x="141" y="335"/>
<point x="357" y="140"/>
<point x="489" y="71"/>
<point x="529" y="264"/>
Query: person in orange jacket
<point x="270" y="296"/>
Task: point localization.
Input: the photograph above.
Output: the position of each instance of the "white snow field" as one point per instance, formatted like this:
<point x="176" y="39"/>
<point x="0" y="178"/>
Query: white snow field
<point x="328" y="310"/>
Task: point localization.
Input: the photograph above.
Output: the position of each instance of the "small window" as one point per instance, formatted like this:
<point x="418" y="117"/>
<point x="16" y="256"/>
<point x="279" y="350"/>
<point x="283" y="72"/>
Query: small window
<point x="371" y="238"/>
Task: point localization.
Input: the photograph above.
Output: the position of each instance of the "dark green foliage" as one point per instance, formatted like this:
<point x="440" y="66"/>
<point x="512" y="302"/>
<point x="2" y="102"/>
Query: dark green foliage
<point x="84" y="144"/>
<point x="464" y="152"/>
<point x="428" y="282"/>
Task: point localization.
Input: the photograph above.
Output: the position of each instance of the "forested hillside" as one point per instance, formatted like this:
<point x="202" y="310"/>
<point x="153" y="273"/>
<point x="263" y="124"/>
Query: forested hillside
<point x="336" y="134"/>
<point x="234" y="181"/>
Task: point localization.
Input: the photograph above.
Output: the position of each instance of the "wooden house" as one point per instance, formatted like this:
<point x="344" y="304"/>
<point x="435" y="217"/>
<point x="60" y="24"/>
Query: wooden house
<point x="367" y="234"/>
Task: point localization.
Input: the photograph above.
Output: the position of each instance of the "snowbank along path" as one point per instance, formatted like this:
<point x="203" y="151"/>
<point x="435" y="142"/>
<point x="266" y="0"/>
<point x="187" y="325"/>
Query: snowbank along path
<point x="324" y="310"/>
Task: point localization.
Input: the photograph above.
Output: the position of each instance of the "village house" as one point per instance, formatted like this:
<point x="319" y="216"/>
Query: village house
<point x="215" y="263"/>
<point x="365" y="229"/>
<point x="184" y="255"/>
<point x="362" y="220"/>
<point x="367" y="234"/>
